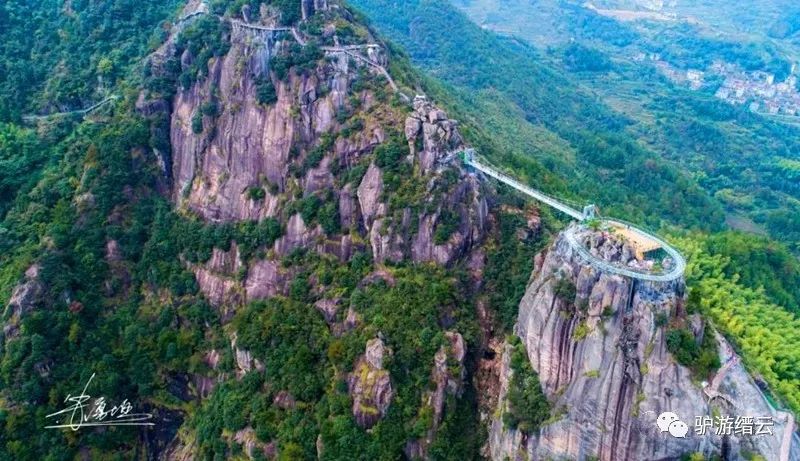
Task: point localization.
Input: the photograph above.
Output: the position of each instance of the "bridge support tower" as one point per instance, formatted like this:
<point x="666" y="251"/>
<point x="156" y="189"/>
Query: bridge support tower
<point x="589" y="212"/>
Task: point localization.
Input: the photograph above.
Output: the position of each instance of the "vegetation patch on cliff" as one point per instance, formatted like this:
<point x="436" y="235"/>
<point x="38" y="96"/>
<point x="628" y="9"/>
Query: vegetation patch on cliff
<point x="301" y="355"/>
<point x="509" y="266"/>
<point x="702" y="358"/>
<point x="528" y="407"/>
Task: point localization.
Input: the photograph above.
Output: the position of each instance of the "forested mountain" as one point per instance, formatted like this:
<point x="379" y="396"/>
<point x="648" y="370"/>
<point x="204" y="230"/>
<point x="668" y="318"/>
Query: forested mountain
<point x="745" y="161"/>
<point x="251" y="243"/>
<point x="65" y="55"/>
<point x="733" y="144"/>
<point x="262" y="236"/>
<point x="541" y="114"/>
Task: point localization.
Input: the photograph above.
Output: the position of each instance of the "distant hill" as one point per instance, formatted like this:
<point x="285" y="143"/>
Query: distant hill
<point x="691" y="128"/>
<point x="543" y="113"/>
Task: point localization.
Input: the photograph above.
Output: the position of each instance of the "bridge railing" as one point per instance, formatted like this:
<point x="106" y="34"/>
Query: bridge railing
<point x="679" y="264"/>
<point x="525" y="189"/>
<point x="33" y="118"/>
<point x="677" y="257"/>
<point x="469" y="157"/>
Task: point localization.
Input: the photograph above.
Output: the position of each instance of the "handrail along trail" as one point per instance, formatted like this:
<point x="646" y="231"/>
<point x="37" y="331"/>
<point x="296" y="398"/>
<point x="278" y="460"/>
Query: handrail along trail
<point x="350" y="50"/>
<point x="33" y="118"/>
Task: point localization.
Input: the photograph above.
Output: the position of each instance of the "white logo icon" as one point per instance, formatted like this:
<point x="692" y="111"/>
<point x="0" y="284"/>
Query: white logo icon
<point x="669" y="422"/>
<point x="678" y="429"/>
<point x="665" y="419"/>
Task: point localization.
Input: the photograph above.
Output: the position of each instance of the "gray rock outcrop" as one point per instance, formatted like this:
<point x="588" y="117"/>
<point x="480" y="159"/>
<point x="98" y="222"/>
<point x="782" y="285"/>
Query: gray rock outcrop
<point x="603" y="363"/>
<point x="24" y="299"/>
<point x="370" y="386"/>
<point x="431" y="135"/>
<point x="248" y="144"/>
<point x="447" y="377"/>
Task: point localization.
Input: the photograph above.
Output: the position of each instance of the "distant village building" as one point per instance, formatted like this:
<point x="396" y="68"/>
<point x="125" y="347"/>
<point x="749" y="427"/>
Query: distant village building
<point x="773" y="107"/>
<point x="693" y="74"/>
<point x="695" y="78"/>
<point x="758" y="90"/>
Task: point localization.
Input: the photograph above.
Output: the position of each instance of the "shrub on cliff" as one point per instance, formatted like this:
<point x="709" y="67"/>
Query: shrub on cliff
<point x="301" y="59"/>
<point x="528" y="407"/>
<point x="256" y="193"/>
<point x="197" y="123"/>
<point x="702" y="359"/>
<point x="203" y="39"/>
<point x="509" y="267"/>
<point x="265" y="91"/>
<point x="447" y="225"/>
<point x="565" y="289"/>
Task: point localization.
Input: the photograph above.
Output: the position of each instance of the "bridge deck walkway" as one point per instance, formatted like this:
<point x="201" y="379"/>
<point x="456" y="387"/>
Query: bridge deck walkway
<point x="678" y="262"/>
<point x="526" y="190"/>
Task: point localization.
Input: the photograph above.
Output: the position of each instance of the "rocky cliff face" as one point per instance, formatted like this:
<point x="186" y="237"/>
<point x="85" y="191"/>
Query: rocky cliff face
<point x="327" y="138"/>
<point x="236" y="157"/>
<point x="26" y="295"/>
<point x="601" y="355"/>
<point x="250" y="146"/>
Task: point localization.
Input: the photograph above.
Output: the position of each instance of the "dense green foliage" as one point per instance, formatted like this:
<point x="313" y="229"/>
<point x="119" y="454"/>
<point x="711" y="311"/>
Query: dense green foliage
<point x="301" y="356"/>
<point x="758" y="262"/>
<point x="532" y="111"/>
<point x="297" y="58"/>
<point x="508" y="268"/>
<point x="202" y="40"/>
<point x="265" y="91"/>
<point x="585" y="149"/>
<point x="80" y="200"/>
<point x="764" y="333"/>
<point x="113" y="257"/>
<point x="702" y="358"/>
<point x="747" y="163"/>
<point x="684" y="45"/>
<point x="21" y="155"/>
<point x="92" y="305"/>
<point x="528" y="407"/>
<point x="56" y="56"/>
<point x="446" y="226"/>
<point x="197" y="240"/>
<point x="580" y="58"/>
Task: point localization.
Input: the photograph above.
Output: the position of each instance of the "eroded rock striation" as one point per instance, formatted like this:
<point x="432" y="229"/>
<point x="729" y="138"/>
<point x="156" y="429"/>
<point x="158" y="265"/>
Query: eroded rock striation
<point x="234" y="158"/>
<point x="309" y="151"/>
<point x="600" y="350"/>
